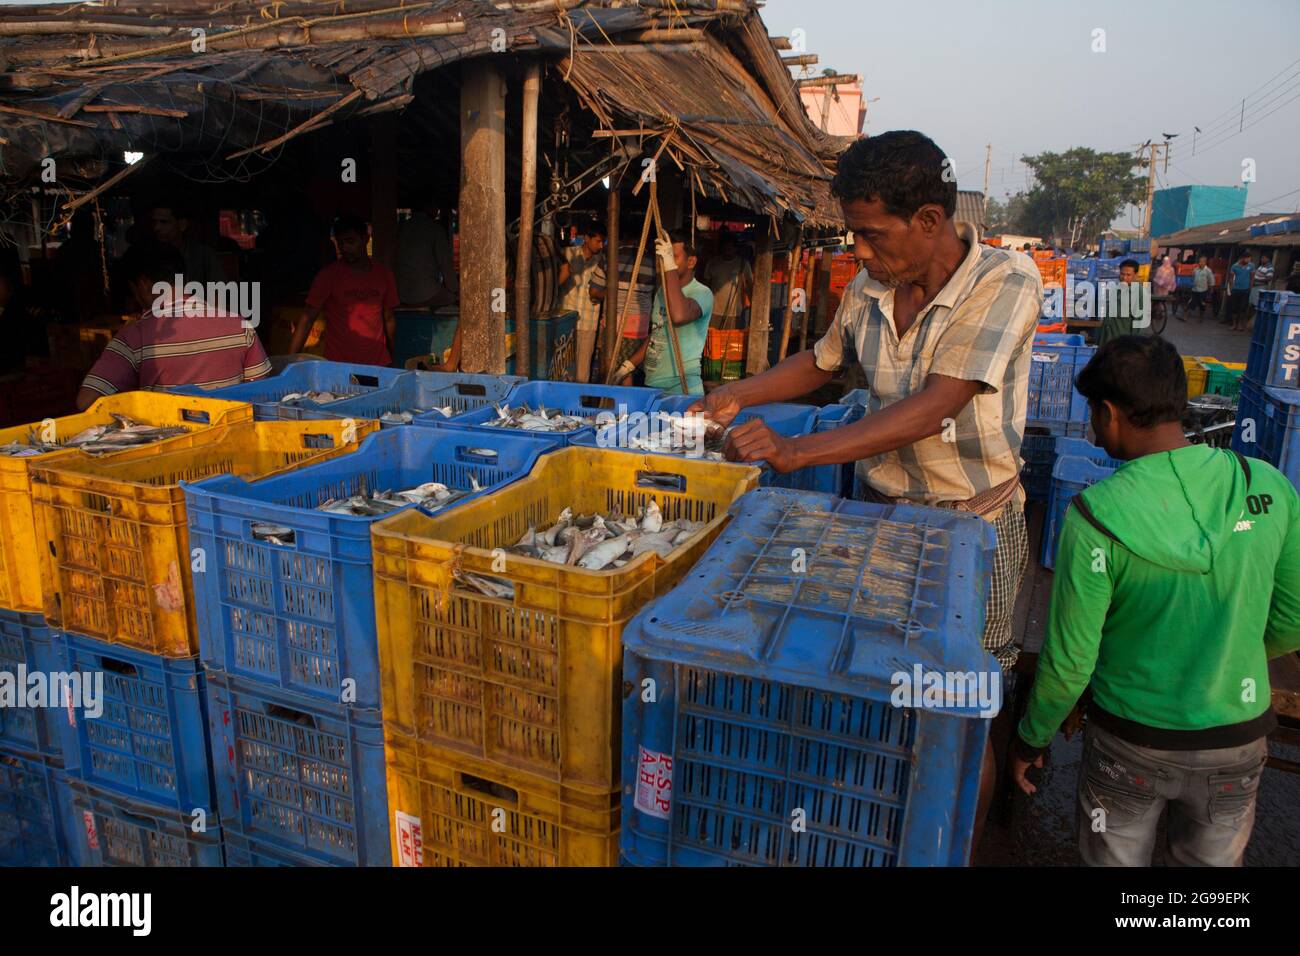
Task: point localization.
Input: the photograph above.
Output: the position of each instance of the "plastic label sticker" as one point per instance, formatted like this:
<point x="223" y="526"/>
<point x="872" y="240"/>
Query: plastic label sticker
<point x="410" y="845"/>
<point x="92" y="838"/>
<point x="654" y="783"/>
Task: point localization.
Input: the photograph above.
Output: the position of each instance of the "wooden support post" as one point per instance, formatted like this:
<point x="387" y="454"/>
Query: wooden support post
<point x="527" y="199"/>
<point x="760" y="307"/>
<point x="810" y="281"/>
<point x="383" y="189"/>
<point x="482" y="217"/>
<point x="790" y="273"/>
<point x="613" y="333"/>
<point x="822" y="296"/>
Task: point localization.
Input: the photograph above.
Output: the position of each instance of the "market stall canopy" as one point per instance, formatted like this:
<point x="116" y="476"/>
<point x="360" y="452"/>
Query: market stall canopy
<point x="1230" y="232"/>
<point x="230" y="80"/>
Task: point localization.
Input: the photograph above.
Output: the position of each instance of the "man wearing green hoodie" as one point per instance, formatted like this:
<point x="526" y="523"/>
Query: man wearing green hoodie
<point x="1177" y="579"/>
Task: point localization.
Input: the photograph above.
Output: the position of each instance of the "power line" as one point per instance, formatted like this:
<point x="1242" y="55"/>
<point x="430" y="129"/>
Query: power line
<point x="1254" y="122"/>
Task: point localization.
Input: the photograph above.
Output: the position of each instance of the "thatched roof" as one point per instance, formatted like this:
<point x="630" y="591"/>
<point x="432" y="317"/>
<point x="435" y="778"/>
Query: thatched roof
<point x="229" y="79"/>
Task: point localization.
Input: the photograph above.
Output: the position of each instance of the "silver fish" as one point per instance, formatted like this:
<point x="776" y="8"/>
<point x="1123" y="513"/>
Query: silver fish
<point x="276" y="534"/>
<point x="605" y="552"/>
<point x="653" y="520"/>
<point x="492" y="587"/>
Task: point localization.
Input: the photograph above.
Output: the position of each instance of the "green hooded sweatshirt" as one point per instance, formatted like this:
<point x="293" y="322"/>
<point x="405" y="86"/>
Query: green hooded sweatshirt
<point x="1170" y="623"/>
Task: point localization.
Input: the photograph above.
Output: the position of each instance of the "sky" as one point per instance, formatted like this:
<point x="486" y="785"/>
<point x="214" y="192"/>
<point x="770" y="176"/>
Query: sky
<point x="1023" y="76"/>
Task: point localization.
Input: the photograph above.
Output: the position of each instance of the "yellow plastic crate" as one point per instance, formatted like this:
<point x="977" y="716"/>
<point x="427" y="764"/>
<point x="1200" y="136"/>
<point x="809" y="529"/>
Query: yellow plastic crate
<point x="118" y="558"/>
<point x="20" y="570"/>
<point x="531" y="681"/>
<point x="449" y="809"/>
<point x="1196" y="373"/>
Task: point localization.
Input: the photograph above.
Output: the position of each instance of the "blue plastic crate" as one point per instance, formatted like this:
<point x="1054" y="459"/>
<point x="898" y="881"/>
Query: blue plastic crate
<point x="1082" y="269"/>
<point x="858" y="396"/>
<point x="783" y="418"/>
<point x="1059" y="338"/>
<point x="1078" y="466"/>
<point x="150" y="741"/>
<point x="1038" y="450"/>
<point x="424" y="391"/>
<point x="774" y="690"/>
<point x="242" y="852"/>
<point x="836" y="416"/>
<point x="265" y="394"/>
<point x="1108" y="268"/>
<point x="107" y="829"/>
<point x="572" y="398"/>
<point x="25" y="642"/>
<point x="301" y="616"/>
<point x="33" y="813"/>
<point x="1274" y="355"/>
<point x="1052" y="395"/>
<point x="299" y="776"/>
<point x="1275" y="228"/>
<point x="1250" y="411"/>
<point x="1278" y="431"/>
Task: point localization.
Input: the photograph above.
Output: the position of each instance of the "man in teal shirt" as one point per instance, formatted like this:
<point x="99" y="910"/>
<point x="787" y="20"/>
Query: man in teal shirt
<point x="692" y="307"/>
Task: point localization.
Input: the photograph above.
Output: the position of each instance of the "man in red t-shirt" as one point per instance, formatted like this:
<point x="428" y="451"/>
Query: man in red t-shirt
<point x="357" y="295"/>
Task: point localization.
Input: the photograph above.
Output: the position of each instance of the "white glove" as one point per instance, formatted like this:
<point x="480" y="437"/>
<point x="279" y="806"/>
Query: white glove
<point x="664" y="250"/>
<point x="624" y="370"/>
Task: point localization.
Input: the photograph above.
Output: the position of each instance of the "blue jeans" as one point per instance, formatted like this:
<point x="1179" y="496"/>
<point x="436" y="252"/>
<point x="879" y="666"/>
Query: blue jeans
<point x="1124" y="788"/>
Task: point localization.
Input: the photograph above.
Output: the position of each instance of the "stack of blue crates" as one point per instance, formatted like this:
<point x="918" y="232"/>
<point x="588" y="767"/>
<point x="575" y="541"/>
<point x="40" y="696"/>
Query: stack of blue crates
<point x="418" y="393"/>
<point x="287" y="639"/>
<point x="781" y="731"/>
<point x="1268" y="410"/>
<point x="1056" y="409"/>
<point x="139" y="775"/>
<point x="34" y="816"/>
<point x="1078" y="465"/>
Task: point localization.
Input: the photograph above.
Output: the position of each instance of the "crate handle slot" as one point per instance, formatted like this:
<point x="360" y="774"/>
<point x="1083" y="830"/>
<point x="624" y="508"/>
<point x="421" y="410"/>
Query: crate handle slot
<point x="470" y="388"/>
<point x="195" y="415"/>
<point x="486" y="456"/>
<point x="595" y="401"/>
<point x="318" y="440"/>
<point x="280" y="712"/>
<point x="489" y="788"/>
<point x="280" y="539"/>
<point x="115" y="666"/>
<point x="366" y="381"/>
<point x="147" y="823"/>
<point x="661" y="481"/>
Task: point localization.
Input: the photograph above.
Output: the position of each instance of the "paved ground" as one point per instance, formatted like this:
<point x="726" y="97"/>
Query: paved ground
<point x="1039" y="830"/>
<point x="1207" y="338"/>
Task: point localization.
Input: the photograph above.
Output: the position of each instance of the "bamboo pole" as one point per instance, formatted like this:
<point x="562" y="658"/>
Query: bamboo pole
<point x="795" y="252"/>
<point x="482" y="217"/>
<point x="613" y="328"/>
<point x="760" y="306"/>
<point x="679" y="360"/>
<point x="106" y="185"/>
<point x="527" y="199"/>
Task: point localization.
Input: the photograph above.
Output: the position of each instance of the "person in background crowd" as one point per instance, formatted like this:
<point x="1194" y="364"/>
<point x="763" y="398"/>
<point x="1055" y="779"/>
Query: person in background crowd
<point x="1121" y="323"/>
<point x="426" y="277"/>
<point x="635" y="296"/>
<point x="169" y="344"/>
<point x="943" y="328"/>
<point x="692" y="307"/>
<point x="357" y="296"/>
<point x="171" y="224"/>
<point x="1160" y="615"/>
<point x="1166" y="278"/>
<point x="731" y="279"/>
<point x="1293" y="280"/>
<point x="576" y="272"/>
<point x="1261" y="281"/>
<point x="1202" y="288"/>
<point x="1238" y="291"/>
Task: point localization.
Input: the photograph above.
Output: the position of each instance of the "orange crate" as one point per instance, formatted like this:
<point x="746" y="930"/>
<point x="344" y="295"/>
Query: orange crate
<point x="725" y="345"/>
<point x="117" y="533"/>
<point x="451" y="809"/>
<point x="1053" y="271"/>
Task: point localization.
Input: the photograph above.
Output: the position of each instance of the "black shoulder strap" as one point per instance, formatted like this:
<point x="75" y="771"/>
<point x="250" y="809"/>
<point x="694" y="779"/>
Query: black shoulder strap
<point x="1091" y="518"/>
<point x="1245" y="467"/>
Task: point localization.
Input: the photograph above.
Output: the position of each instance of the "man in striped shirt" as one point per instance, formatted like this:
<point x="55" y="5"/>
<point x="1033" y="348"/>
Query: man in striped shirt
<point x="175" y="341"/>
<point x="943" y="327"/>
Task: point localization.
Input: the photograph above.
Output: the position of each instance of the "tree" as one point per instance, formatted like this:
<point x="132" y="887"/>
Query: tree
<point x="1006" y="216"/>
<point x="1078" y="193"/>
